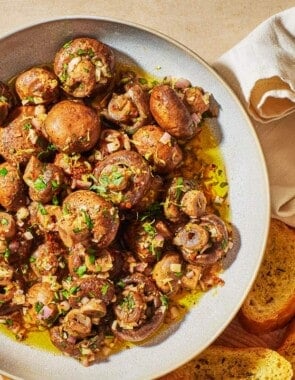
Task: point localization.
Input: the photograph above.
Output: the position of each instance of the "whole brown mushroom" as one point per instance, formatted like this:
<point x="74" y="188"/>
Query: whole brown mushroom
<point x="170" y="112"/>
<point x="88" y="218"/>
<point x="72" y="126"/>
<point x="37" y="86"/>
<point x="12" y="189"/>
<point x="6" y="101"/>
<point x="44" y="180"/>
<point x="19" y="140"/>
<point x="84" y="66"/>
<point x="158" y="147"/>
<point x="123" y="178"/>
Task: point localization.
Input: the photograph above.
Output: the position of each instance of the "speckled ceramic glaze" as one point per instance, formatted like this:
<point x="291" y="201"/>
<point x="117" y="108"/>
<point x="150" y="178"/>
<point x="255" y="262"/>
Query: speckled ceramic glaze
<point x="249" y="199"/>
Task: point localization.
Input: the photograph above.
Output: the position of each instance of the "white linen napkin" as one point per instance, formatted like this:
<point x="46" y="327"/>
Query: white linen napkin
<point x="261" y="70"/>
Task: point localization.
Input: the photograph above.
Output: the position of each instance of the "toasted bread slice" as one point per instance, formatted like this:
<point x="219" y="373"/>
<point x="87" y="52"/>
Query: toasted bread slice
<point x="287" y="348"/>
<point x="271" y="302"/>
<point x="223" y="363"/>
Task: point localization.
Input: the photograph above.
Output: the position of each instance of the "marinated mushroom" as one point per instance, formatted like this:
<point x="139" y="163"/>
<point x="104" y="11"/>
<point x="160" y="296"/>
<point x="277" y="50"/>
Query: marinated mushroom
<point x="88" y="218"/>
<point x="192" y="239"/>
<point x="167" y="273"/>
<point x="19" y="140"/>
<point x="130" y="110"/>
<point x="77" y="169"/>
<point x="12" y="190"/>
<point x="139" y="309"/>
<point x="84" y="66"/>
<point x="111" y="141"/>
<point x="172" y="205"/>
<point x="7" y="226"/>
<point x="6" y="101"/>
<point x="45" y="216"/>
<point x="37" y="86"/>
<point x="40" y="297"/>
<point x="170" y="113"/>
<point x="217" y="229"/>
<point x="143" y="238"/>
<point x="94" y="261"/>
<point x="77" y="324"/>
<point x="45" y="180"/>
<point x="90" y="287"/>
<point x="72" y="126"/>
<point x="193" y="203"/>
<point x="123" y="178"/>
<point x="47" y="258"/>
<point x="198" y="102"/>
<point x="158" y="147"/>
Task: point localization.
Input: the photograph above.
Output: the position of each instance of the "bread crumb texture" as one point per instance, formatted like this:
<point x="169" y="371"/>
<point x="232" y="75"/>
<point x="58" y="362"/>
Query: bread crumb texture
<point x="223" y="363"/>
<point x="271" y="302"/>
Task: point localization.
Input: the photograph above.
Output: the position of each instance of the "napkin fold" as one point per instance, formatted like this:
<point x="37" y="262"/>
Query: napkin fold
<point x="261" y="70"/>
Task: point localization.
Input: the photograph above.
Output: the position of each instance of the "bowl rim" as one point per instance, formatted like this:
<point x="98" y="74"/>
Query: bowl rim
<point x="238" y="103"/>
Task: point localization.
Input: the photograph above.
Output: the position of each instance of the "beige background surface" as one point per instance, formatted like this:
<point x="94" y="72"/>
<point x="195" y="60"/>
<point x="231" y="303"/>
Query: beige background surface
<point x="209" y="27"/>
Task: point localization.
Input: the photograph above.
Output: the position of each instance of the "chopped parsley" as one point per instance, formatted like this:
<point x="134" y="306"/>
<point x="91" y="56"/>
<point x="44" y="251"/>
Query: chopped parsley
<point x="165" y="301"/>
<point x="88" y="220"/>
<point x="54" y="184"/>
<point x="81" y="270"/>
<point x="128" y="302"/>
<point x="27" y="126"/>
<point x="67" y="44"/>
<point x="178" y="187"/>
<point x="3" y="172"/>
<point x="38" y="307"/>
<point x="42" y="209"/>
<point x="4" y="222"/>
<point x="40" y="184"/>
<point x="149" y="229"/>
<point x="104" y="289"/>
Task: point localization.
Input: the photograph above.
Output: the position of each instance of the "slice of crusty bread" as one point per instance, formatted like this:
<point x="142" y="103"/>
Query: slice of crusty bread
<point x="287" y="348"/>
<point x="271" y="302"/>
<point x="223" y="363"/>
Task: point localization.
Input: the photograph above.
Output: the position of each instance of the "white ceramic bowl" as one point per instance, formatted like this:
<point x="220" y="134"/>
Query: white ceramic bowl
<point x="249" y="199"/>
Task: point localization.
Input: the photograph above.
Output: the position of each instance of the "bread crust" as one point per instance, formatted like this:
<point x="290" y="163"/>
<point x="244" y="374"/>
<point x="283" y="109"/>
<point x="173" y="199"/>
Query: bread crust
<point x="220" y="362"/>
<point x="287" y="347"/>
<point x="263" y="309"/>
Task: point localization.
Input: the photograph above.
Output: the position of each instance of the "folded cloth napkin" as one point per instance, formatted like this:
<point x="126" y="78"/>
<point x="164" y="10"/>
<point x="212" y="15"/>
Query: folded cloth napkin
<point x="261" y="70"/>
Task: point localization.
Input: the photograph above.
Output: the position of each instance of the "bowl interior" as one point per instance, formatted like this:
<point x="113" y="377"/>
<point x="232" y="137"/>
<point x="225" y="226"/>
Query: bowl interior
<point x="249" y="198"/>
